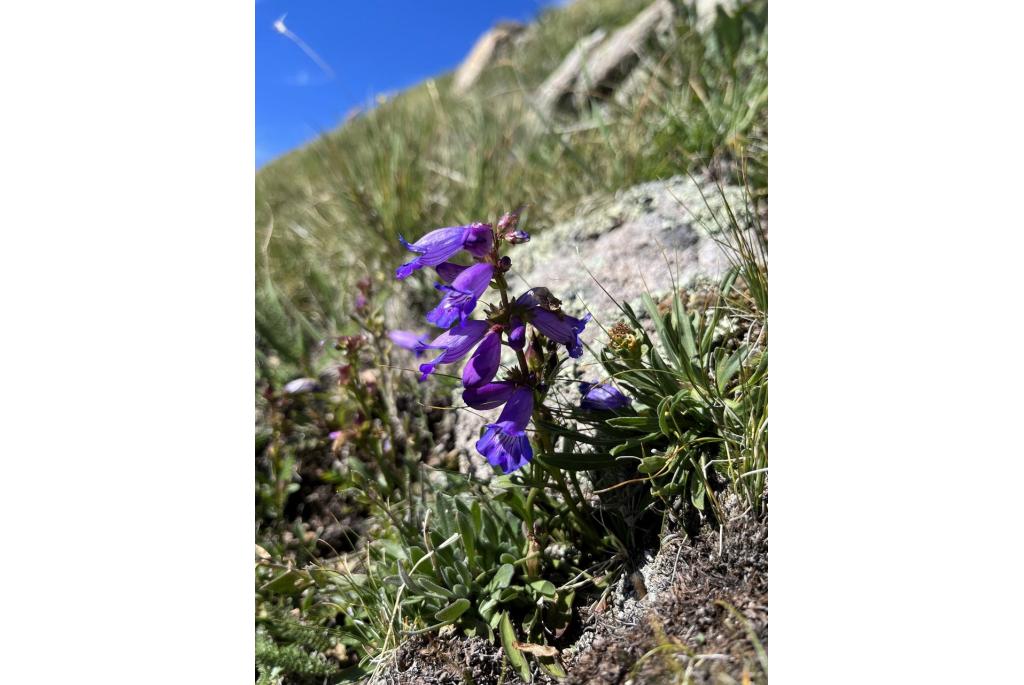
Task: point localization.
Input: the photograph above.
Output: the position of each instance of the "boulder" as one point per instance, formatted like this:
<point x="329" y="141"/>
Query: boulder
<point x="595" y="66"/>
<point x="484" y="52"/>
<point x="559" y="84"/>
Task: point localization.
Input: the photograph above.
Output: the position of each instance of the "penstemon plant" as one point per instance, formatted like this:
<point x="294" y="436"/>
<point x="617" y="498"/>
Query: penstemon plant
<point x="521" y="392"/>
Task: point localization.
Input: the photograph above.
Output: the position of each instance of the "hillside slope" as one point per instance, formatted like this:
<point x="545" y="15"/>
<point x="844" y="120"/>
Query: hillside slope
<point x="632" y="136"/>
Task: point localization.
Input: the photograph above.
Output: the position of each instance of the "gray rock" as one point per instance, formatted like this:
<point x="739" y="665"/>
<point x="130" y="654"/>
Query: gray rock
<point x="635" y="242"/>
<point x="484" y="52"/>
<point x="558" y="84"/>
<point x="596" y="65"/>
<point x="612" y="61"/>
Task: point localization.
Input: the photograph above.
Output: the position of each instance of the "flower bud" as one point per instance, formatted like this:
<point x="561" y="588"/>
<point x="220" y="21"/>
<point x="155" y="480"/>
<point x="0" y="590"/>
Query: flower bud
<point x="508" y="222"/>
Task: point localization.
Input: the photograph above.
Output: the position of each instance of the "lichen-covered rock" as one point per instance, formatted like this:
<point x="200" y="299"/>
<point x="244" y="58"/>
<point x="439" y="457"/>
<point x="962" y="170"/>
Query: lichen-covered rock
<point x="637" y="241"/>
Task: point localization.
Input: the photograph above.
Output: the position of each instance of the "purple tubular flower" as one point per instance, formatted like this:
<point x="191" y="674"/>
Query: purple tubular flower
<point x="408" y="340"/>
<point x="455" y="343"/>
<point x="482" y="366"/>
<point x="504" y="443"/>
<point x="442" y="243"/>
<point x="602" y="397"/>
<point x="460" y="299"/>
<point x="449" y="271"/>
<point x="489" y="396"/>
<point x="561" y="328"/>
<point x="518" y="237"/>
<point x="517" y="336"/>
<point x="479" y="239"/>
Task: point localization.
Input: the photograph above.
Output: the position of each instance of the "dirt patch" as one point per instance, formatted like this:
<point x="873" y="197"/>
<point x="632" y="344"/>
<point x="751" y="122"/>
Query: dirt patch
<point x="703" y="619"/>
<point x="447" y="660"/>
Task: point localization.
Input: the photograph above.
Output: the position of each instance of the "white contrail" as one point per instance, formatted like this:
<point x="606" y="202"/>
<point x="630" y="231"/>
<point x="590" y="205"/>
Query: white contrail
<point x="283" y="30"/>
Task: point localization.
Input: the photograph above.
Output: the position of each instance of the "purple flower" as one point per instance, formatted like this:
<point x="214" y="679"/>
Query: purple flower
<point x="455" y="343"/>
<point x="482" y="366"/>
<point x="442" y="243"/>
<point x="517" y="336"/>
<point x="408" y="340"/>
<point x="449" y="271"/>
<point x="460" y="297"/>
<point x="489" y="396"/>
<point x="504" y="443"/>
<point x="561" y="328"/>
<point x="556" y="326"/>
<point x="602" y="397"/>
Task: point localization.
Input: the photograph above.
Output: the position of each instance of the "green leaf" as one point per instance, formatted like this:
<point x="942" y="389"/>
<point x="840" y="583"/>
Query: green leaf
<point x="487" y="607"/>
<point x="510" y="593"/>
<point x="288" y="583"/>
<point x="684" y="324"/>
<point x="544" y="587"/>
<point x="664" y="334"/>
<point x="502" y="577"/>
<point x="697" y="493"/>
<point x="393" y="548"/>
<point x="558" y="614"/>
<point x="644" y="424"/>
<point x="468" y="534"/>
<point x="552" y="666"/>
<point x="651" y="465"/>
<point x="467" y="576"/>
<point x="478" y="517"/>
<point x="430" y="587"/>
<point x="727" y="367"/>
<point x="406" y="578"/>
<point x="510" y="645"/>
<point x="664" y="412"/>
<point x="453" y="610"/>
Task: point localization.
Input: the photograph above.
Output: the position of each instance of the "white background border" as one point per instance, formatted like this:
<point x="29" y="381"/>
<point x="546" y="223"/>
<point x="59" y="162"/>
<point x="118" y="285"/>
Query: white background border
<point x="126" y="273"/>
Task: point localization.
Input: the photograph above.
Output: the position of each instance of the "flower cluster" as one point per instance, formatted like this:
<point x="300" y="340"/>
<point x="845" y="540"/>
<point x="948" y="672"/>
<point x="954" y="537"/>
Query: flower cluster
<point x="504" y="442"/>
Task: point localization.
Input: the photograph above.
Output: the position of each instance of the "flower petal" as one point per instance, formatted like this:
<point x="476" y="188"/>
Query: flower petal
<point x="461" y="296"/>
<point x="602" y="397"/>
<point x="505" y="447"/>
<point x="479" y="239"/>
<point x="408" y="340"/>
<point x="449" y="271"/>
<point x="483" y="365"/>
<point x="435" y="247"/>
<point x="561" y="328"/>
<point x="489" y="396"/>
<point x="517" y="336"/>
<point x="454" y="343"/>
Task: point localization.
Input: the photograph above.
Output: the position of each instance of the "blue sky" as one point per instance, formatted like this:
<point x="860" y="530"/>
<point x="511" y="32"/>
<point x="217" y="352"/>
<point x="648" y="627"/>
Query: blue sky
<point x="365" y="48"/>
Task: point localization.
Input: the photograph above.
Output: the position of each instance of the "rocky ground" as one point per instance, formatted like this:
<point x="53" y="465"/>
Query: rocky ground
<point x="697" y="614"/>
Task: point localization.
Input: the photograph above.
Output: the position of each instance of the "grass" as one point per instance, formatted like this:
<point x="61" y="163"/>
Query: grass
<point x="422" y="548"/>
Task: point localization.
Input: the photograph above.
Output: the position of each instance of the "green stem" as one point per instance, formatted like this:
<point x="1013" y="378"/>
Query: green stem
<point x="544" y="438"/>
